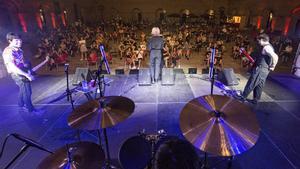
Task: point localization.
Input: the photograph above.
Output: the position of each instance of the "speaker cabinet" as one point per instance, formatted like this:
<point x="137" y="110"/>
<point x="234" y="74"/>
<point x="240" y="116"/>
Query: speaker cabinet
<point x="168" y="76"/>
<point x="192" y="70"/>
<point x="134" y="71"/>
<point x="144" y="78"/>
<point x="81" y="73"/>
<point x="228" y="77"/>
<point x="119" y="71"/>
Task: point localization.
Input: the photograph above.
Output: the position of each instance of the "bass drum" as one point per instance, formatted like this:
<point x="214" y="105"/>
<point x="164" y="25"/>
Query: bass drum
<point x="135" y="153"/>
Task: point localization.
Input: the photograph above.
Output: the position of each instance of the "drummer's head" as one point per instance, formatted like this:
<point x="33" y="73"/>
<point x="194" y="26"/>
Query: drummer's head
<point x="176" y="154"/>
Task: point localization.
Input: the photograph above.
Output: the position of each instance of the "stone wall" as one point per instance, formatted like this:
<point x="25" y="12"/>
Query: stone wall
<point x="96" y="10"/>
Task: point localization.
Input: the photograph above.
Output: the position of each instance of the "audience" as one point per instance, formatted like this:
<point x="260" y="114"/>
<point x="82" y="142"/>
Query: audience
<point x="128" y="40"/>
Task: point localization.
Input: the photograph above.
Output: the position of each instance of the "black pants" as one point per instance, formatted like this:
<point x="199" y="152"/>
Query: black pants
<point x="155" y="65"/>
<point x="24" y="98"/>
<point x="256" y="82"/>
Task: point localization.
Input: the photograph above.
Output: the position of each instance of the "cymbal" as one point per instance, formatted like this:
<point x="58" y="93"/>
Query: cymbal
<point x="90" y="115"/>
<point x="85" y="155"/>
<point x="219" y="125"/>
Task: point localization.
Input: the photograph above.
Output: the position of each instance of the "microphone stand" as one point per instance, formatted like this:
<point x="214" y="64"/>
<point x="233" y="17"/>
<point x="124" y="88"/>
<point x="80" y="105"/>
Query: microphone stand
<point x="68" y="91"/>
<point x="100" y="79"/>
<point x="69" y="95"/>
<point x="212" y="70"/>
<point x="22" y="150"/>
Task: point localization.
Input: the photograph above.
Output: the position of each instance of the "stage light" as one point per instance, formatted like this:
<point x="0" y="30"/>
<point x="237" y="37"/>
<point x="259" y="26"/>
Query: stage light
<point x="258" y="22"/>
<point x="53" y="20"/>
<point x="287" y="25"/>
<point x="22" y="22"/>
<point x="39" y="20"/>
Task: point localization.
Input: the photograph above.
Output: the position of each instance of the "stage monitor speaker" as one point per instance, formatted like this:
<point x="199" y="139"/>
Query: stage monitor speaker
<point x="228" y="77"/>
<point x="133" y="71"/>
<point x="205" y="70"/>
<point x="119" y="71"/>
<point x="80" y="73"/>
<point x="144" y="78"/>
<point x="168" y="76"/>
<point x="193" y="70"/>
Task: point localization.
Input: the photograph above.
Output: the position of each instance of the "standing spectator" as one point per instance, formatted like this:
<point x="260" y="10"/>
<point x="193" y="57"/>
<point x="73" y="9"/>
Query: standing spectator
<point x="83" y="49"/>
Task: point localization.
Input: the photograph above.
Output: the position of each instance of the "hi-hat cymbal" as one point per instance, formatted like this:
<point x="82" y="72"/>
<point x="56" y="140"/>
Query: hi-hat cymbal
<point x="92" y="116"/>
<point x="219" y="125"/>
<point x="85" y="155"/>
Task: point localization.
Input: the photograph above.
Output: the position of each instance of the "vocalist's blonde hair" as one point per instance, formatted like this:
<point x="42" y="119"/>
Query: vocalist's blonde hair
<point x="155" y="31"/>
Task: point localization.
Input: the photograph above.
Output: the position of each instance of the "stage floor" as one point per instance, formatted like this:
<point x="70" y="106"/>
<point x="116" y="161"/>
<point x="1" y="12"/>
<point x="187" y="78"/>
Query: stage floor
<point x="156" y="107"/>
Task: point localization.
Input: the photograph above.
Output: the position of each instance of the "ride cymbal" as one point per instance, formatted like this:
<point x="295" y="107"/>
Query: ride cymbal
<point x="84" y="155"/>
<point x="219" y="125"/>
<point x="93" y="116"/>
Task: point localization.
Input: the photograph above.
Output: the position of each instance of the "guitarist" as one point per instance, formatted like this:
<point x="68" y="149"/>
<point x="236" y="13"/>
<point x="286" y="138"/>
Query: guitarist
<point x="263" y="64"/>
<point x="14" y="62"/>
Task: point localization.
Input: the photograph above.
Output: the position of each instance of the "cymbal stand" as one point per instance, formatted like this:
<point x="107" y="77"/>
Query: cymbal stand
<point x="205" y="163"/>
<point x="100" y="79"/>
<point x="70" y="164"/>
<point x="206" y="166"/>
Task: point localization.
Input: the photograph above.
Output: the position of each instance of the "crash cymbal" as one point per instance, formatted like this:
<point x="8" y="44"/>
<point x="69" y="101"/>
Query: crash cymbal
<point x="219" y="125"/>
<point x="85" y="155"/>
<point x="90" y="115"/>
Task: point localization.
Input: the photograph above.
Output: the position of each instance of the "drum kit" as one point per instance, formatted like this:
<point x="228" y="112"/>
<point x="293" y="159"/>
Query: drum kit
<point x="215" y="124"/>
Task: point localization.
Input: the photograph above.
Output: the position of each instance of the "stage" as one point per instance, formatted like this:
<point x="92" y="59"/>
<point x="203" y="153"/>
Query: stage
<point x="157" y="107"/>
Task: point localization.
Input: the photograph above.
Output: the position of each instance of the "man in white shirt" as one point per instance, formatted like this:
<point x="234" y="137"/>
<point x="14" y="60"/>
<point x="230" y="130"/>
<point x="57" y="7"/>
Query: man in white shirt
<point x="264" y="63"/>
<point x="14" y="62"/>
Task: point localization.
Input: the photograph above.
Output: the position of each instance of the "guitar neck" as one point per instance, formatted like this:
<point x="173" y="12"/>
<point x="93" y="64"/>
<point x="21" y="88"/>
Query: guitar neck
<point x="39" y="66"/>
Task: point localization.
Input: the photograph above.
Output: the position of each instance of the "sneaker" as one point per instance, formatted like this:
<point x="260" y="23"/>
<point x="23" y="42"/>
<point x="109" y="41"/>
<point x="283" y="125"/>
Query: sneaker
<point x="37" y="112"/>
<point x="240" y="98"/>
<point x="254" y="101"/>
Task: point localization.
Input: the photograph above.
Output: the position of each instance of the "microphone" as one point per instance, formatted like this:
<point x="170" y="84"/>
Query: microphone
<point x="66" y="67"/>
<point x="30" y="142"/>
<point x="243" y="51"/>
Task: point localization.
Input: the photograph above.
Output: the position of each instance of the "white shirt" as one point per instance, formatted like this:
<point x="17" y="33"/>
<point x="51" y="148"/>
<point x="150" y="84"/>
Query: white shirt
<point x="269" y="50"/>
<point x="14" y="56"/>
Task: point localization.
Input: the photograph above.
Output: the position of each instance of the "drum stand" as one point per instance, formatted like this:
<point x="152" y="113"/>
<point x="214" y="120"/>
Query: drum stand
<point x="100" y="80"/>
<point x="69" y="96"/>
<point x="206" y="166"/>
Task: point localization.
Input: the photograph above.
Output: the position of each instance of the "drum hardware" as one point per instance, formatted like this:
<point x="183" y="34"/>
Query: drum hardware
<point x="99" y="114"/>
<point x="139" y="151"/>
<point x="77" y="155"/>
<point x="219" y="125"/>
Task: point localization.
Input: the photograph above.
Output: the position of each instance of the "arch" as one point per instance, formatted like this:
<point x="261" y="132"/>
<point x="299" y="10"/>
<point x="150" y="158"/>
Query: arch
<point x="159" y="12"/>
<point x="12" y="5"/>
<point x="185" y="12"/>
<point x="295" y="10"/>
<point x="137" y="15"/>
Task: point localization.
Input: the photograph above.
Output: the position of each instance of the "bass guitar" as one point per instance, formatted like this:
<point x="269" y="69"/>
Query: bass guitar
<point x="27" y="68"/>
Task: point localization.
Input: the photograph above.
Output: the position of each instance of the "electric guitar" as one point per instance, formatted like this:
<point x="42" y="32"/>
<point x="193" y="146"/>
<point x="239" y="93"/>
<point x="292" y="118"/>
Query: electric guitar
<point x="27" y="68"/>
